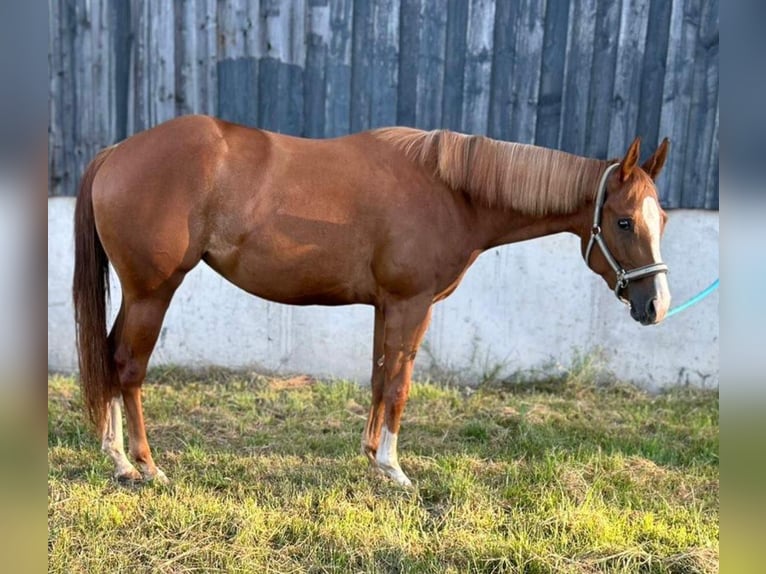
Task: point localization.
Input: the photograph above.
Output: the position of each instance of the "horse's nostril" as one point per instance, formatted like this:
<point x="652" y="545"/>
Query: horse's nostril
<point x="651" y="309"/>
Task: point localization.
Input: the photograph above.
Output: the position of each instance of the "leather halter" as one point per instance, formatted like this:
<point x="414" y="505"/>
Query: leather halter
<point x="596" y="238"/>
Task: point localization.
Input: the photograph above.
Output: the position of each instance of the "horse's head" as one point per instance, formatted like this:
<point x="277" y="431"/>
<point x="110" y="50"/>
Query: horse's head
<point x="623" y="245"/>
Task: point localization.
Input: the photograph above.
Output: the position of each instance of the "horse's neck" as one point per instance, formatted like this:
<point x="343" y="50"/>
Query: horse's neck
<point x="503" y="226"/>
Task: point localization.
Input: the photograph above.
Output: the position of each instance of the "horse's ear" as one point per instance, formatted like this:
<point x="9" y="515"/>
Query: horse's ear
<point x="653" y="166"/>
<point x="631" y="159"/>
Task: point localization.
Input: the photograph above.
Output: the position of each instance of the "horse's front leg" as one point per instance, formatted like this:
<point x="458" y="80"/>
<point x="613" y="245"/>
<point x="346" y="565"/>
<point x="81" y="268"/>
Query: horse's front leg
<point x="371" y="433"/>
<point x="405" y="323"/>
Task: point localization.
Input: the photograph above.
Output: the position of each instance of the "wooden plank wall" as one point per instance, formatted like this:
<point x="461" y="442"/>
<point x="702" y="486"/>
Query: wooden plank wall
<point x="584" y="76"/>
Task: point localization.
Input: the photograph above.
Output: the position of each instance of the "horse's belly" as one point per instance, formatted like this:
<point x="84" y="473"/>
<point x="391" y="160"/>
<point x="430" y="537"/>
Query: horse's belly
<point x="309" y="277"/>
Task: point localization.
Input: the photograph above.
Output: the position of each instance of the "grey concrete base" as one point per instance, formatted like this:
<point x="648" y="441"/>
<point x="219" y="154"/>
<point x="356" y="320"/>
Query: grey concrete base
<point x="520" y="307"/>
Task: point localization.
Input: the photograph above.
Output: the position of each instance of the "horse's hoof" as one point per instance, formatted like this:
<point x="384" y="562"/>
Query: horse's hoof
<point x="158" y="477"/>
<point x="128" y="476"/>
<point x="396" y="474"/>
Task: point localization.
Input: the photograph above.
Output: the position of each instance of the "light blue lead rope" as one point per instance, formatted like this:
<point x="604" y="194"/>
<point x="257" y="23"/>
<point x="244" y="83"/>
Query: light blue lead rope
<point x="694" y="300"/>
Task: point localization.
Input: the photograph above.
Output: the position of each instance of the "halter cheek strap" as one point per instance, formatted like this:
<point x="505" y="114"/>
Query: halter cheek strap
<point x="596" y="238"/>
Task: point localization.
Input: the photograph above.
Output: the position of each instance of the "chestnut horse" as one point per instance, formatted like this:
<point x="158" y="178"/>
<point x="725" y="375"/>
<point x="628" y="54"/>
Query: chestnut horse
<point x="391" y="218"/>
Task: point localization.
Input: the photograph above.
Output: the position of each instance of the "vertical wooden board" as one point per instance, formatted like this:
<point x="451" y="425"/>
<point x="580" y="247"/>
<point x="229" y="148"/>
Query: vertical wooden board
<point x="627" y="80"/>
<point x="280" y="74"/>
<point x="385" y="63"/>
<point x="316" y="66"/>
<point x="410" y="26"/>
<point x="232" y="29"/>
<point x="273" y="80"/>
<point x="601" y="100"/>
<point x="454" y="64"/>
<point x="478" y="66"/>
<point x="276" y="29"/>
<point x="56" y="173"/>
<point x="120" y="22"/>
<point x="702" y="111"/>
<point x="684" y="25"/>
<point x="506" y="31"/>
<point x="296" y="61"/>
<point x="102" y="70"/>
<point x="297" y="32"/>
<point x="272" y="83"/>
<point x="525" y="85"/>
<point x="361" y="66"/>
<point x="431" y="64"/>
<point x="187" y="80"/>
<point x="254" y="33"/>
<point x="238" y="90"/>
<point x="577" y="76"/>
<point x="207" y="55"/>
<point x="711" y="180"/>
<point x="138" y="115"/>
<point x="83" y="78"/>
<point x="338" y="71"/>
<point x="162" y="46"/>
<point x="552" y="74"/>
<point x="652" y="76"/>
<point x="293" y="123"/>
<point x="68" y="97"/>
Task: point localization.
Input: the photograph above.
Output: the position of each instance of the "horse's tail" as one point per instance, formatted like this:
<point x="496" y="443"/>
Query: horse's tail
<point x="90" y="290"/>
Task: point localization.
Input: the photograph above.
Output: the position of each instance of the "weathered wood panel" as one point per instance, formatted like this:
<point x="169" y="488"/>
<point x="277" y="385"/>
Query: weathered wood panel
<point x="684" y="24"/>
<point x="478" y="66"/>
<point x="525" y="87"/>
<point x="385" y="63"/>
<point x="409" y="49"/>
<point x="602" y="76"/>
<point x="431" y="64"/>
<point x="653" y="75"/>
<point x="552" y="74"/>
<point x="317" y="41"/>
<point x="361" y="65"/>
<point x="577" y="76"/>
<point x="585" y="76"/>
<point x="703" y="107"/>
<point x="338" y="73"/>
<point x="454" y="64"/>
<point x="627" y="76"/>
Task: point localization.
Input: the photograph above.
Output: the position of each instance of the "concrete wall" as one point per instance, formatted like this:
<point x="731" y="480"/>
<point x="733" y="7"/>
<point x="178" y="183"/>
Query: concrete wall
<point x="519" y="307"/>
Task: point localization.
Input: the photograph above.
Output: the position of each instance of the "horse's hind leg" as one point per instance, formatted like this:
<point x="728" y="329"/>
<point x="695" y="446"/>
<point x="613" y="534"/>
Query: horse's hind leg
<point x="113" y="444"/>
<point x="112" y="441"/>
<point x="139" y="329"/>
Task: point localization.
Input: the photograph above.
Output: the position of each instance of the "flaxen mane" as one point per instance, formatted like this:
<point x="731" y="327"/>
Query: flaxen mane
<point x="525" y="178"/>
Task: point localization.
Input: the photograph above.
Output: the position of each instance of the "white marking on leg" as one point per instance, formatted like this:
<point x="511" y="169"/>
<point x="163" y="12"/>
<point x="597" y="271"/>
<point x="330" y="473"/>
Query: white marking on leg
<point x="388" y="460"/>
<point x="650" y="210"/>
<point x="113" y="444"/>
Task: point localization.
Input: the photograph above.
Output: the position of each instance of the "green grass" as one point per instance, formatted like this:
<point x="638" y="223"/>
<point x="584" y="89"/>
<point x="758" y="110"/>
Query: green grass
<point x="266" y="476"/>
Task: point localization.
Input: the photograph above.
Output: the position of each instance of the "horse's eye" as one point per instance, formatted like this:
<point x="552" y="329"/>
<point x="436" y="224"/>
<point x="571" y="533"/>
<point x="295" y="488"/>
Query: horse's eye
<point x="625" y="224"/>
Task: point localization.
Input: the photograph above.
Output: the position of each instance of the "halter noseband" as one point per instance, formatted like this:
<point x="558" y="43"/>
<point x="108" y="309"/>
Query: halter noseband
<point x="596" y="238"/>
